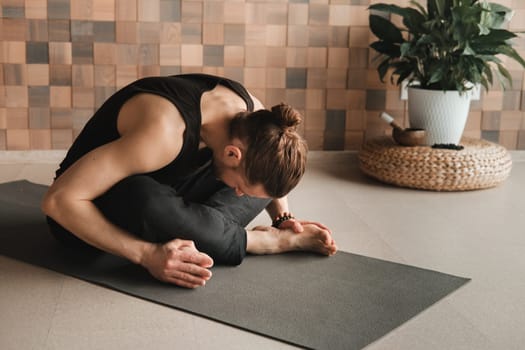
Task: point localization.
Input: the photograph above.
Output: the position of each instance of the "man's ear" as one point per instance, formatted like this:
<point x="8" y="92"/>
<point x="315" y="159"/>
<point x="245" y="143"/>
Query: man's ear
<point x="232" y="155"/>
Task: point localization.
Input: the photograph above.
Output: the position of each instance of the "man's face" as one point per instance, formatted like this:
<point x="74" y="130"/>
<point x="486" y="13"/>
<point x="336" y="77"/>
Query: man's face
<point x="234" y="177"/>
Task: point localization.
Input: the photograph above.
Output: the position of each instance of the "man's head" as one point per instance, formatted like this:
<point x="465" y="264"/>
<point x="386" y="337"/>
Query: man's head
<point x="272" y="153"/>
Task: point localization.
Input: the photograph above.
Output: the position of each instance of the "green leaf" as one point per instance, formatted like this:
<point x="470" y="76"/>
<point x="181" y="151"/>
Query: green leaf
<point x="436" y="76"/>
<point x="483" y="30"/>
<point x="488" y="73"/>
<point x="388" y="8"/>
<point x="438" y="7"/>
<point x="403" y="71"/>
<point x="505" y="73"/>
<point x="489" y="58"/>
<point x="419" y="7"/>
<point x="499" y="8"/>
<point x="495" y="36"/>
<point x="468" y="50"/>
<point x="426" y="39"/>
<point x="382" y="69"/>
<point x="385" y="30"/>
<point x="509" y="51"/>
<point x="474" y="74"/>
<point x="465" y="22"/>
<point x="485" y="50"/>
<point x="495" y="15"/>
<point x="405" y="49"/>
<point x="386" y="48"/>
<point x="413" y="20"/>
<point x="485" y="84"/>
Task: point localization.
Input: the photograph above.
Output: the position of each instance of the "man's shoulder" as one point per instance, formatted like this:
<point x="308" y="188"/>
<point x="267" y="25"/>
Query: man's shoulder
<point x="257" y="104"/>
<point x="146" y="111"/>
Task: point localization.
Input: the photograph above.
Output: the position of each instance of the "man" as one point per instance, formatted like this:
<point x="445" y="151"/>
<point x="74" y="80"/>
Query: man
<point x="168" y="172"/>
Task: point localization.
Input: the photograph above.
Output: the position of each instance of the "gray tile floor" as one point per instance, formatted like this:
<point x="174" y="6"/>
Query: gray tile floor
<point x="479" y="234"/>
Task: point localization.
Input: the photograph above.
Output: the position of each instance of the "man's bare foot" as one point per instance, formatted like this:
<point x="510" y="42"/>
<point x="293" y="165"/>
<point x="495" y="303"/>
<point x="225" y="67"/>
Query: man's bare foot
<point x="269" y="240"/>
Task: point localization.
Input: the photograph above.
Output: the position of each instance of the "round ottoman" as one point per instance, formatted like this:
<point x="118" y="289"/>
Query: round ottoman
<point x="481" y="164"/>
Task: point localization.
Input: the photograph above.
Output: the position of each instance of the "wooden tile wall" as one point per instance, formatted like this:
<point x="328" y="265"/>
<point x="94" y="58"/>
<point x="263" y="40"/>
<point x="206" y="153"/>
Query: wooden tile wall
<point x="60" y="60"/>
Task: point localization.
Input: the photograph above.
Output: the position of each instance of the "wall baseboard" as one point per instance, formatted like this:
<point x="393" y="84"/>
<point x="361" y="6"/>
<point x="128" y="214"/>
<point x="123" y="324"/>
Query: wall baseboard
<point x="56" y="156"/>
<point x="34" y="156"/>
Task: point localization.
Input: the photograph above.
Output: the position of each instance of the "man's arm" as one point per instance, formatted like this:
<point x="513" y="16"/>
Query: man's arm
<point x="277" y="206"/>
<point x="146" y="144"/>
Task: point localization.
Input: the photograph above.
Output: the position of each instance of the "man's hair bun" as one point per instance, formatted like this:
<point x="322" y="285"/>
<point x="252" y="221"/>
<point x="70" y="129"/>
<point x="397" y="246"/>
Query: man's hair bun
<point x="286" y="117"/>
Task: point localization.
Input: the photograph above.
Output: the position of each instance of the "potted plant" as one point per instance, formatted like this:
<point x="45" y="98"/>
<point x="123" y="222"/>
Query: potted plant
<point x="443" y="51"/>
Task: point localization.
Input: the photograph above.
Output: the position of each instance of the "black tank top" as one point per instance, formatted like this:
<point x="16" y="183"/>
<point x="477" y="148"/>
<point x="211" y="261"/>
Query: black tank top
<point x="185" y="92"/>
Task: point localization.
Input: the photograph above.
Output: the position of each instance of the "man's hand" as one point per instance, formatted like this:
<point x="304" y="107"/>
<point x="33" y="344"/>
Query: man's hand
<point x="178" y="262"/>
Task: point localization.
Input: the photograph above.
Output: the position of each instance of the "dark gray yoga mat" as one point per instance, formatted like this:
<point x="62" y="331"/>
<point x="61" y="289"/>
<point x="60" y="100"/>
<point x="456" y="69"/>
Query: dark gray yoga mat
<point x="343" y="302"/>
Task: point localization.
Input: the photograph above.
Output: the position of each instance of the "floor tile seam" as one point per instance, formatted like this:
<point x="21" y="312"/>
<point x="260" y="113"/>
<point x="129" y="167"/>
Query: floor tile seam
<point x="55" y="311"/>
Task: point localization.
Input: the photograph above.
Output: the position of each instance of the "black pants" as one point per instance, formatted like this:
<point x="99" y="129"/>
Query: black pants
<point x="201" y="209"/>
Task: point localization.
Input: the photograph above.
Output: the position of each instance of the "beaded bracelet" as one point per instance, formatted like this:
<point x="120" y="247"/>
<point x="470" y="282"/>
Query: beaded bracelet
<point x="282" y="218"/>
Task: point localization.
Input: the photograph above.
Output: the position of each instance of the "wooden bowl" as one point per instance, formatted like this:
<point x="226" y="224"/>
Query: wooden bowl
<point x="409" y="137"/>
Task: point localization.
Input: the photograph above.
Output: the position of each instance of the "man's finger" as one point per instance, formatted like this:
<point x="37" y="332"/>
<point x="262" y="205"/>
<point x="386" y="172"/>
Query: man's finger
<point x="195" y="257"/>
<point x="182" y="283"/>
<point x="187" y="277"/>
<point x="175" y="266"/>
<point x="194" y="270"/>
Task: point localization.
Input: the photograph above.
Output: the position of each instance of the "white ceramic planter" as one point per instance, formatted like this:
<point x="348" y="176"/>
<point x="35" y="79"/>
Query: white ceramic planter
<point x="442" y="114"/>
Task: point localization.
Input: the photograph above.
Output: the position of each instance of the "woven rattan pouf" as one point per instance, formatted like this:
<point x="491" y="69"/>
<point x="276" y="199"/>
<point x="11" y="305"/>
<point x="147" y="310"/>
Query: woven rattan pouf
<point x="481" y="164"/>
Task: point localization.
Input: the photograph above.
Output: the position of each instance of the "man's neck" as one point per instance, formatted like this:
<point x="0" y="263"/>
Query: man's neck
<point x="218" y="108"/>
<point x="215" y="134"/>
